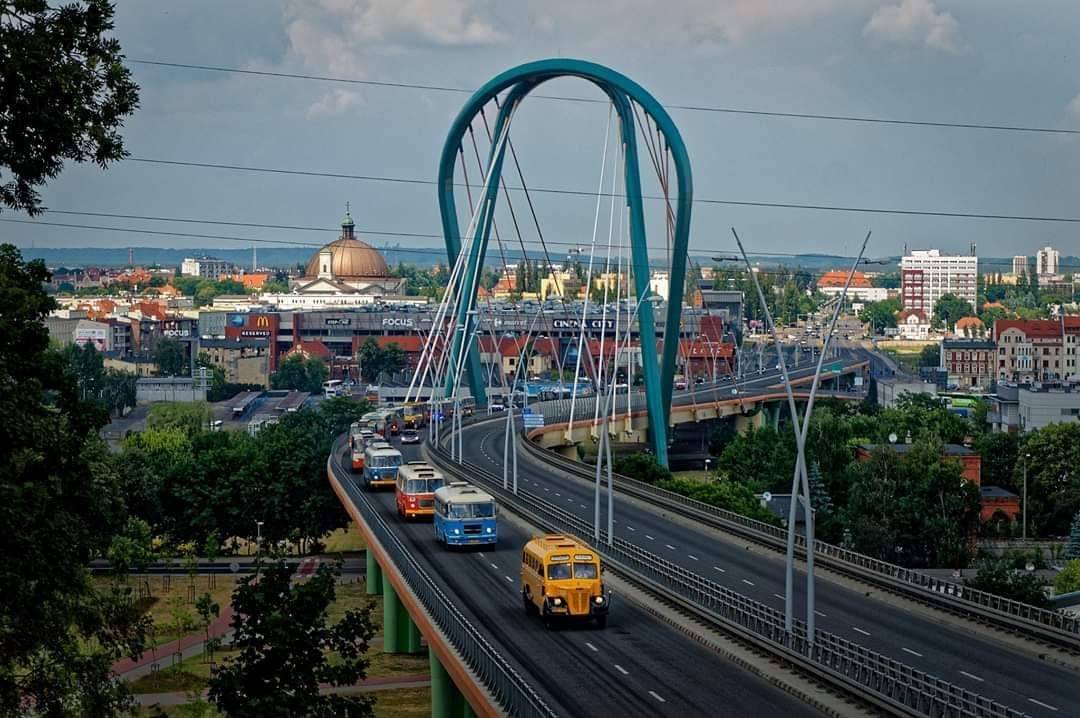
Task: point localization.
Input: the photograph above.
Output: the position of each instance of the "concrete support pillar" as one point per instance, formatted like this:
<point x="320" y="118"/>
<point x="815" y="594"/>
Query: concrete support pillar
<point x="744" y="423"/>
<point x="400" y="634"/>
<point x="568" y="451"/>
<point x="446" y="699"/>
<point x="374" y="575"/>
<point x="774" y="416"/>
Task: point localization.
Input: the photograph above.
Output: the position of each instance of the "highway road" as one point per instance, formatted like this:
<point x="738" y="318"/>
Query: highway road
<point x="1017" y="680"/>
<point x="638" y="666"/>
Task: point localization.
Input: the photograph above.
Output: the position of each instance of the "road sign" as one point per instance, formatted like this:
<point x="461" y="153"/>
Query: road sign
<point x="767" y="497"/>
<point x="234" y="567"/>
<point x="534" y="421"/>
<point x="526" y="411"/>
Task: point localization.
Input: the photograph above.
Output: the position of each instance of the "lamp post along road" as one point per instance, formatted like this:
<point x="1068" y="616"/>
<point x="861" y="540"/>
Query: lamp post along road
<point x="800" y="490"/>
<point x="1027" y="458"/>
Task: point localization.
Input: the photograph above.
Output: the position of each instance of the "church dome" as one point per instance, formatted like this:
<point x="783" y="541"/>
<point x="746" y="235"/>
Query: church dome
<point x="350" y="259"/>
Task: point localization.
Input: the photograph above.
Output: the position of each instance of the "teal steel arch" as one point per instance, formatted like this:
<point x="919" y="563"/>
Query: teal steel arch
<point x="520" y="81"/>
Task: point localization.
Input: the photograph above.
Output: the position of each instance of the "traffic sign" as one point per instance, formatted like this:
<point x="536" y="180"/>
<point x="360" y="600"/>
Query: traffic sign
<point x="534" y="421"/>
<point x="234" y="567"/>
<point x="767" y="497"/>
<point x="526" y="411"/>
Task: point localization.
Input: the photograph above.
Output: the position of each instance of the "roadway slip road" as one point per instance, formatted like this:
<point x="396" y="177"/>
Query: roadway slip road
<point x="637" y="666"/>
<point x="1017" y="680"/>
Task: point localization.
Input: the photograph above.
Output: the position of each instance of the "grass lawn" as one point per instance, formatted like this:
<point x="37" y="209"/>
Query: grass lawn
<point x="344" y="540"/>
<point x="352" y="596"/>
<point x="697" y="475"/>
<point x="195" y="709"/>
<point x="160" y="606"/>
<point x="403" y="703"/>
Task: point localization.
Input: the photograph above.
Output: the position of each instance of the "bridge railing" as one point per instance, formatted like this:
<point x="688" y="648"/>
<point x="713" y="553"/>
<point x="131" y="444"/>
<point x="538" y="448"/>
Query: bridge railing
<point x="955" y="593"/>
<point x="508" y="687"/>
<point x="829" y="657"/>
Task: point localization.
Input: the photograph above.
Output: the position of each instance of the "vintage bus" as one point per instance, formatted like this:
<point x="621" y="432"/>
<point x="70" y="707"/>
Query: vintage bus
<point x="417" y="482"/>
<point x="332" y="388"/>
<point x="385" y="421"/>
<point x="381" y="462"/>
<point x="561" y="579"/>
<point x="359" y="437"/>
<point x="464" y="515"/>
<point x="414" y="415"/>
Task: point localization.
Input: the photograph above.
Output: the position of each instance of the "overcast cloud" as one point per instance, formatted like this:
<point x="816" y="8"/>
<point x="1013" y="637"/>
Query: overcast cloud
<point x="991" y="61"/>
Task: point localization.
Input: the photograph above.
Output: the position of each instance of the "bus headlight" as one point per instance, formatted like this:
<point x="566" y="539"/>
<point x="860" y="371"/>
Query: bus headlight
<point x="488" y="529"/>
<point x="456" y="532"/>
<point x="556" y="601"/>
<point x="598" y="600"/>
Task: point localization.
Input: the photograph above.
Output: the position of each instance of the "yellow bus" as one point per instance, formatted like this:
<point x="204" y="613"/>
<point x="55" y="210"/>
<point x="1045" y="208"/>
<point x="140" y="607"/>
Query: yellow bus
<point x="561" y="578"/>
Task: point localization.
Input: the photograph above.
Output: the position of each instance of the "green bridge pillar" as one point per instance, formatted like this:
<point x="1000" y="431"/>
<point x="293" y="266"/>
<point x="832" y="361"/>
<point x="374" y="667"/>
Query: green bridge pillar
<point x="374" y="575"/>
<point x="400" y="634"/>
<point x="446" y="699"/>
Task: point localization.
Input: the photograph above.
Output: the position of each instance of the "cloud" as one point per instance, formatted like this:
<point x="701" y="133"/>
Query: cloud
<point x="915" y="22"/>
<point x="1074" y="107"/>
<point x="735" y="19"/>
<point x="333" y="103"/>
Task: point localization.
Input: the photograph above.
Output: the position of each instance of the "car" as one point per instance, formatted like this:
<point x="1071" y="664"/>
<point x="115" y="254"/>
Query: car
<point x="496" y="406"/>
<point x="410" y="436"/>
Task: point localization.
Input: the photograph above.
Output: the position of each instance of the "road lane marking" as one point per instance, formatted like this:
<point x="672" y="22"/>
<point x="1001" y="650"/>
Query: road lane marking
<point x="649" y="537"/>
<point x="670" y="546"/>
<point x="495" y="566"/>
<point x="692" y="556"/>
<point x="719" y="569"/>
<point x="558" y="494"/>
<point x="479" y="554"/>
<point x="1044" y="705"/>
<point x="546" y="489"/>
<point x="656" y="695"/>
<point x="584" y="506"/>
<point x="779" y="596"/>
<point x="914" y="653"/>
<point x="865" y="633"/>
<point x="630" y="528"/>
<point x="973" y="677"/>
<point x="509" y="579"/>
<point x="748" y="583"/>
<point x="593" y="648"/>
<point x="621" y="670"/>
<point x="820" y="613"/>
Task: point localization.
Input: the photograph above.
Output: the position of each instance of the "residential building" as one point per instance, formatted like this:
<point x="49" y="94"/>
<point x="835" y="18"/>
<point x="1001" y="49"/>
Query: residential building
<point x="1047" y="261"/>
<point x="969" y="362"/>
<point x="244" y="361"/>
<point x="1019" y="265"/>
<point x="831" y="284"/>
<point x="205" y="267"/>
<point x="1024" y="407"/>
<point x="889" y="390"/>
<point x="970" y="461"/>
<point x="913" y="324"/>
<point x="926" y="275"/>
<point x="161" y="388"/>
<point x="660" y="284"/>
<point x="1038" y="350"/>
<point x="999" y="504"/>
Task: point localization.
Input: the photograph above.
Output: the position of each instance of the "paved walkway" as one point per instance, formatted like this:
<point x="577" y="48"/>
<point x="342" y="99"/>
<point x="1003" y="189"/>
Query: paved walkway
<point x="188" y="646"/>
<point x="368" y="685"/>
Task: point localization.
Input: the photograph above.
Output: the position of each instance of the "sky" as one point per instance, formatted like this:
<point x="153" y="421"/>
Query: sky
<point x="963" y="61"/>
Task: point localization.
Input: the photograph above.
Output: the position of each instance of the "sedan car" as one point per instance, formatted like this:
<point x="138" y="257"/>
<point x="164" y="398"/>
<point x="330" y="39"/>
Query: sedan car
<point x="410" y="436"/>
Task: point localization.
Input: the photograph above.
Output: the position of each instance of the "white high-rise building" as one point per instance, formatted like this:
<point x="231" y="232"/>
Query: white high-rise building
<point x="205" y="267"/>
<point x="1047" y="261"/>
<point x="1020" y="264"/>
<point x="926" y="275"/>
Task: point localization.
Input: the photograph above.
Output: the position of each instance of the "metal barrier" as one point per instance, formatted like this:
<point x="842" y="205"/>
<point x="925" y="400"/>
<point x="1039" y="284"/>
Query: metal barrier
<point x="515" y="695"/>
<point x="1052" y="626"/>
<point x="840" y="662"/>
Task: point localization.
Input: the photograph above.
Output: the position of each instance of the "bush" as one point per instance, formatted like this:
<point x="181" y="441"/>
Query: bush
<point x="1069" y="579"/>
<point x="727" y="495"/>
<point x="998" y="577"/>
<point x="643" y="467"/>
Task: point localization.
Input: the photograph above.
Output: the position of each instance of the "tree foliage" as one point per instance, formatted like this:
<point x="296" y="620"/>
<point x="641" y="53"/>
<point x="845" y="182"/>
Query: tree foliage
<point x="881" y="315"/>
<point x="188" y="417"/>
<point x="762" y="458"/>
<point x="300" y="374"/>
<point x="376" y="360"/>
<point x="996" y="576"/>
<point x="1068" y="580"/>
<point x="169" y="358"/>
<point x="724" y="494"/>
<point x="949" y="309"/>
<point x="641" y="466"/>
<point x="113" y="390"/>
<point x="61" y="505"/>
<point x="285" y="639"/>
<point x="1053" y="477"/>
<point x="64" y="93"/>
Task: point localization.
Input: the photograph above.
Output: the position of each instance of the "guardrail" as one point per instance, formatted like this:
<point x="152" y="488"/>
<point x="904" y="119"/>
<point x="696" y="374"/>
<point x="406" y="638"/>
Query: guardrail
<point x="514" y="694"/>
<point x="1051" y="626"/>
<point x="856" y="670"/>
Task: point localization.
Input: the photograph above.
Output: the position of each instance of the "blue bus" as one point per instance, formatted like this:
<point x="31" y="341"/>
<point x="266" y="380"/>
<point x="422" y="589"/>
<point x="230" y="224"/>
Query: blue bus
<point x="381" y="462"/>
<point x="464" y="516"/>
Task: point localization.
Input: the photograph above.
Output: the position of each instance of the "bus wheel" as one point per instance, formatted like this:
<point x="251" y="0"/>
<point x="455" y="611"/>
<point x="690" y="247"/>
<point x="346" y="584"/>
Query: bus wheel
<point x="601" y="621"/>
<point x="530" y="607"/>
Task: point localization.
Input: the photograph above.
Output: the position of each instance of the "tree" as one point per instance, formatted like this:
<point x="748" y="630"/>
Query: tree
<point x="880" y="315"/>
<point x="930" y="355"/>
<point x="58" y="57"/>
<point x="950" y="308"/>
<point x="1053" y="477"/>
<point x="1068" y="580"/>
<point x="762" y="458"/>
<point x="169" y="358"/>
<point x="300" y="374"/>
<point x="998" y="453"/>
<point x="727" y="495"/>
<point x="62" y="505"/>
<point x="189" y="417"/>
<point x="282" y="631"/>
<point x="1072" y="548"/>
<point x="132" y="549"/>
<point x="641" y="466"/>
<point x="997" y="577"/>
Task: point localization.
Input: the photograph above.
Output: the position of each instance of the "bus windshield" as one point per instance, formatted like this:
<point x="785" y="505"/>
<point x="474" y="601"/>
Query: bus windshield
<point x="384" y="462"/>
<point x="472" y="511"/>
<point x="422" y="486"/>
<point x="584" y="570"/>
<point x="559" y="571"/>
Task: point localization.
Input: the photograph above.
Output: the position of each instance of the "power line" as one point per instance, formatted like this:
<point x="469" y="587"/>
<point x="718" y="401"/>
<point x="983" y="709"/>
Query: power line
<point x="441" y="252"/>
<point x="689" y="108"/>
<point x="585" y="193"/>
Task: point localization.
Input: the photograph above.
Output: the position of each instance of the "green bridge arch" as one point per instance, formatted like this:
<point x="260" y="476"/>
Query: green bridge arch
<point x="658" y="372"/>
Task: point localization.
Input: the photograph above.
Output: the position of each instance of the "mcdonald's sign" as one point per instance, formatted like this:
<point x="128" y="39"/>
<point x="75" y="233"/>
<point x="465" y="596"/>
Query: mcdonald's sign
<point x="262" y="322"/>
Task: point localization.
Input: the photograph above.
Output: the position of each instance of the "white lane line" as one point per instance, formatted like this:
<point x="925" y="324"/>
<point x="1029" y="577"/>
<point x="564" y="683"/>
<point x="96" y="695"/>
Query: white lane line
<point x="656" y="695"/>
<point x="621" y="670"/>
<point x="509" y="579"/>
<point x="820" y="613"/>
<point x="630" y="528"/>
<point x="584" y="506"/>
<point x="558" y="494"/>
<point x="692" y="557"/>
<point x="649" y="537"/>
<point x="592" y="648"/>
<point x="914" y="653"/>
<point x="479" y="554"/>
<point x="670" y="546"/>
<point x="748" y="583"/>
<point x="1044" y="705"/>
<point x="546" y="489"/>
<point x="719" y="569"/>
<point x="856" y="628"/>
<point x="973" y="677"/>
<point x="495" y="566"/>
<point x="779" y="596"/>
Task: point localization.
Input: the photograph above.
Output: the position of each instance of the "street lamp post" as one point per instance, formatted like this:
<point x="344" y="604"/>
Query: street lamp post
<point x="258" y="543"/>
<point x="1027" y="458"/>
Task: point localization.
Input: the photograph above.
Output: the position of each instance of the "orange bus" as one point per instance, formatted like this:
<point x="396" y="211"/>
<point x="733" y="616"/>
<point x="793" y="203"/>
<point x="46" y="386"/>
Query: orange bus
<point x="414" y="492"/>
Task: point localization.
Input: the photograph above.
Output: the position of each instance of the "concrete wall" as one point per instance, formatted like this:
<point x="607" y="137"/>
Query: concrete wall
<point x="168" y="389"/>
